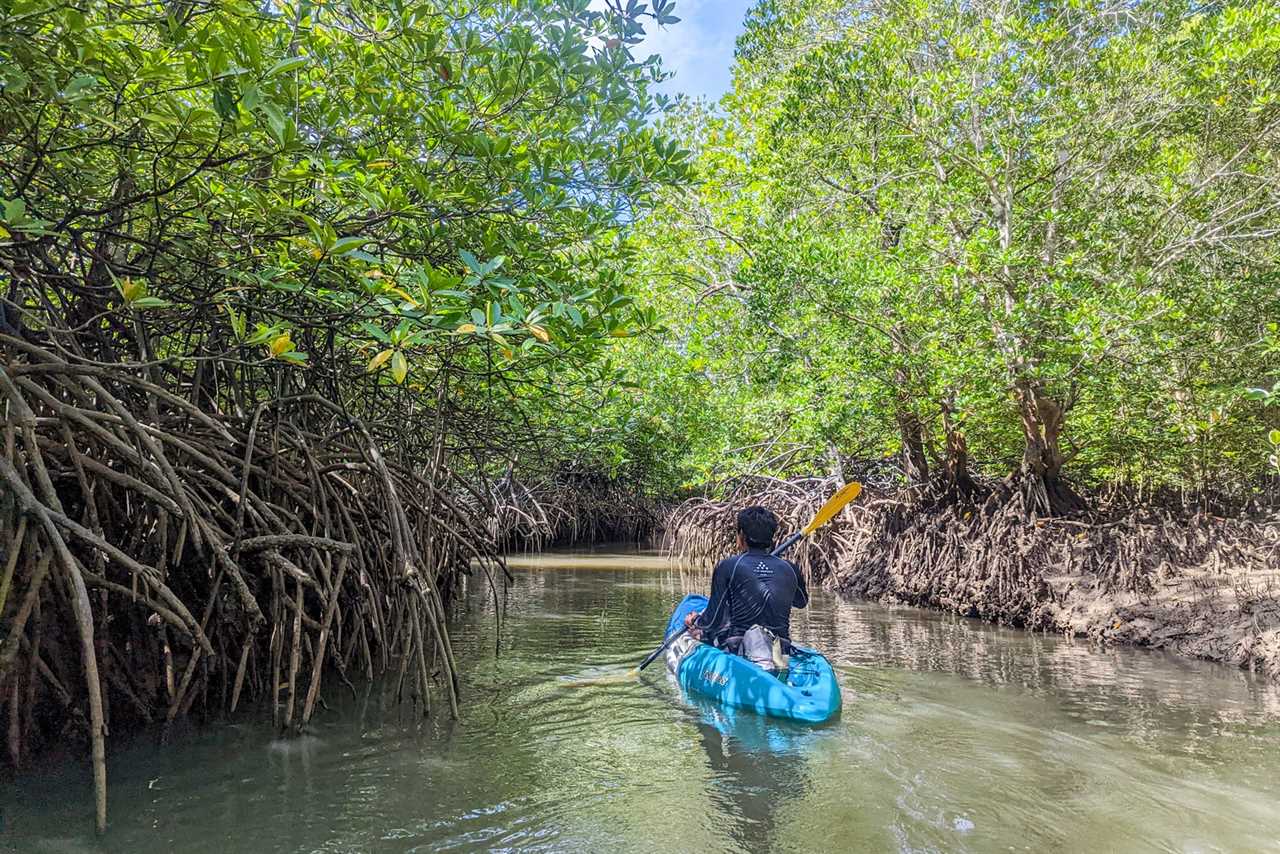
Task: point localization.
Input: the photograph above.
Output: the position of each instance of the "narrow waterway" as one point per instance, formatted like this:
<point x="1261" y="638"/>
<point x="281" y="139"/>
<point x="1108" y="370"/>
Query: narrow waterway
<point x="955" y="736"/>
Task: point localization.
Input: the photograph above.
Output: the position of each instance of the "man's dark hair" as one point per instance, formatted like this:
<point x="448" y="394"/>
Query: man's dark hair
<point x="758" y="525"/>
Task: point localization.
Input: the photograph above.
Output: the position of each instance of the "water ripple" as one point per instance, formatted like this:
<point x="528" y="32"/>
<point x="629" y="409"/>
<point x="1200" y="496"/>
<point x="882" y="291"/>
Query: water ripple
<point x="955" y="737"/>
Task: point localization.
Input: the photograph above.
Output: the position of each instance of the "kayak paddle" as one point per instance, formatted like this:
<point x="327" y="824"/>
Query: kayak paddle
<point x="834" y="505"/>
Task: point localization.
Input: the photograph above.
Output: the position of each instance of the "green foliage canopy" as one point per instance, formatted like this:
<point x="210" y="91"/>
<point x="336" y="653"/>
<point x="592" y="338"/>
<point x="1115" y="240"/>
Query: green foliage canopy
<point x="411" y="207"/>
<point x="1047" y="234"/>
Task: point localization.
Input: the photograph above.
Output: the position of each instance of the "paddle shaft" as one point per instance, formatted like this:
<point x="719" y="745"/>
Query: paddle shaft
<point x="786" y="544"/>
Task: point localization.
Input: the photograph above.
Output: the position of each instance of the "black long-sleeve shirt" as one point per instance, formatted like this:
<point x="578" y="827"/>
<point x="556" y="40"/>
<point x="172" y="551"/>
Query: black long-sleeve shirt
<point x="753" y="588"/>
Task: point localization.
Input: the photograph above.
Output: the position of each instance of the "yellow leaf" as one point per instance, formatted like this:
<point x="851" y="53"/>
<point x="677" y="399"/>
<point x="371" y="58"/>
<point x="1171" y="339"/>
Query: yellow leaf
<point x="281" y="344"/>
<point x="399" y="367"/>
<point x="404" y="295"/>
<point x="374" y="274"/>
<point x="508" y="353"/>
<point x="620" y="333"/>
<point x="378" y="360"/>
<point x="466" y="327"/>
<point x="132" y="290"/>
<point x="317" y="252"/>
<point x="381" y="164"/>
<point x="539" y="333"/>
<point x="4" y="232"/>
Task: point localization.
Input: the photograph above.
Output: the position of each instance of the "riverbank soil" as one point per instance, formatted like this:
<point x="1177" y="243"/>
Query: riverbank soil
<point x="1171" y="577"/>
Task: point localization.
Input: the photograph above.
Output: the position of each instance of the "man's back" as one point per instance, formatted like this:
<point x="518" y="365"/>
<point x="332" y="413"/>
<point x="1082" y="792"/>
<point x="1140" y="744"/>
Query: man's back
<point x="753" y="588"/>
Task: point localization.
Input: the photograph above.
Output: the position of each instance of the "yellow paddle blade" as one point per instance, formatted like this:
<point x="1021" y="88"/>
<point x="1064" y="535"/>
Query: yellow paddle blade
<point x="834" y="504"/>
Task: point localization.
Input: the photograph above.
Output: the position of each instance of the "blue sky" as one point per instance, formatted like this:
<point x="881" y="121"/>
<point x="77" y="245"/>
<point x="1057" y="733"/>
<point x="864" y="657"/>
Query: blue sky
<point x="699" y="49"/>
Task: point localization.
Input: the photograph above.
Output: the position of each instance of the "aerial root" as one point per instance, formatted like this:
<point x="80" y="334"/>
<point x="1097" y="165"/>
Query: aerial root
<point x="569" y="509"/>
<point x="995" y="555"/>
<point x="180" y="559"/>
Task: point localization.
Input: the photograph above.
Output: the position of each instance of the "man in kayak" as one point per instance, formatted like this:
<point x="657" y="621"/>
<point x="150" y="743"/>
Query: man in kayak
<point x="750" y="589"/>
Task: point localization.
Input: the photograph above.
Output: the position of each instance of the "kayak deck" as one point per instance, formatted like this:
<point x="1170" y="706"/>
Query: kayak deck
<point x="810" y="693"/>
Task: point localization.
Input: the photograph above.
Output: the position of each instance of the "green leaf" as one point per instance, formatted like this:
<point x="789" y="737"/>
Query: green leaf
<point x="262" y="334"/>
<point x="237" y="323"/>
<point x="278" y="123"/>
<point x="132" y="289"/>
<point x="347" y="244"/>
<point x="251" y="97"/>
<point x="15" y="210"/>
<point x="224" y="101"/>
<point x="376" y="332"/>
<point x="161" y="118"/>
<point x="472" y="264"/>
<point x="287" y="65"/>
<point x="79" y="84"/>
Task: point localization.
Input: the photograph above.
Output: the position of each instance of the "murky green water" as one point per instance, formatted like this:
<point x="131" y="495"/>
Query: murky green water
<point x="955" y="737"/>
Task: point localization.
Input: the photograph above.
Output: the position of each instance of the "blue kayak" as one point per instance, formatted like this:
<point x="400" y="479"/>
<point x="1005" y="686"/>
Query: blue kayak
<point x="810" y="693"/>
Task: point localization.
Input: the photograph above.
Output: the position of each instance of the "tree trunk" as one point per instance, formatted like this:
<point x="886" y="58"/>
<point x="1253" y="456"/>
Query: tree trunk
<point x="1042" y="459"/>
<point x="956" y="461"/>
<point x="835" y="467"/>
<point x="914" y="464"/>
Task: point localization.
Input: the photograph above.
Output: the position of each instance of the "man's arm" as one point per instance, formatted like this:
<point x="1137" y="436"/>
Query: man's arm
<point x="802" y="592"/>
<point x="718" y="605"/>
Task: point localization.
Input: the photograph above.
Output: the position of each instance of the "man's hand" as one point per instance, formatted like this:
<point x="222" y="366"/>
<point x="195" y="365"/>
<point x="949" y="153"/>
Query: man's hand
<point x="694" y="631"/>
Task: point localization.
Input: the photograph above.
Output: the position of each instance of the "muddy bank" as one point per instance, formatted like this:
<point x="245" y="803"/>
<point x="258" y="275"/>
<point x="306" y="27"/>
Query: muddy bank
<point x="1188" y="580"/>
<point x="1229" y="615"/>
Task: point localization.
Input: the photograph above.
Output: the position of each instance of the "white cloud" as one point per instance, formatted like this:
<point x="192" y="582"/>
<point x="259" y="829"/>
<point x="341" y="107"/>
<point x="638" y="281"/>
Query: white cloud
<point x="699" y="49"/>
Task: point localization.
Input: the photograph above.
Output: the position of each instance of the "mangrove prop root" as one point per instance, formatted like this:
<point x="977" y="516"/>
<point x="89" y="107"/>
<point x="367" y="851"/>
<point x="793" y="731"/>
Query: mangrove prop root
<point x="262" y="551"/>
<point x="1153" y="572"/>
<point x="568" y="509"/>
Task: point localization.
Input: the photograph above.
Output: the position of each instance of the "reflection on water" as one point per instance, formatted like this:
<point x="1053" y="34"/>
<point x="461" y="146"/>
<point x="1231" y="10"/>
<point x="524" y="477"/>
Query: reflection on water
<point x="954" y="736"/>
<point x="758" y="766"/>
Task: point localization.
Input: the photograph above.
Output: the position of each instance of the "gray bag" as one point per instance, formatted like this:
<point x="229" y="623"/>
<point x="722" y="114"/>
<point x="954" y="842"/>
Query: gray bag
<point x="763" y="648"/>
